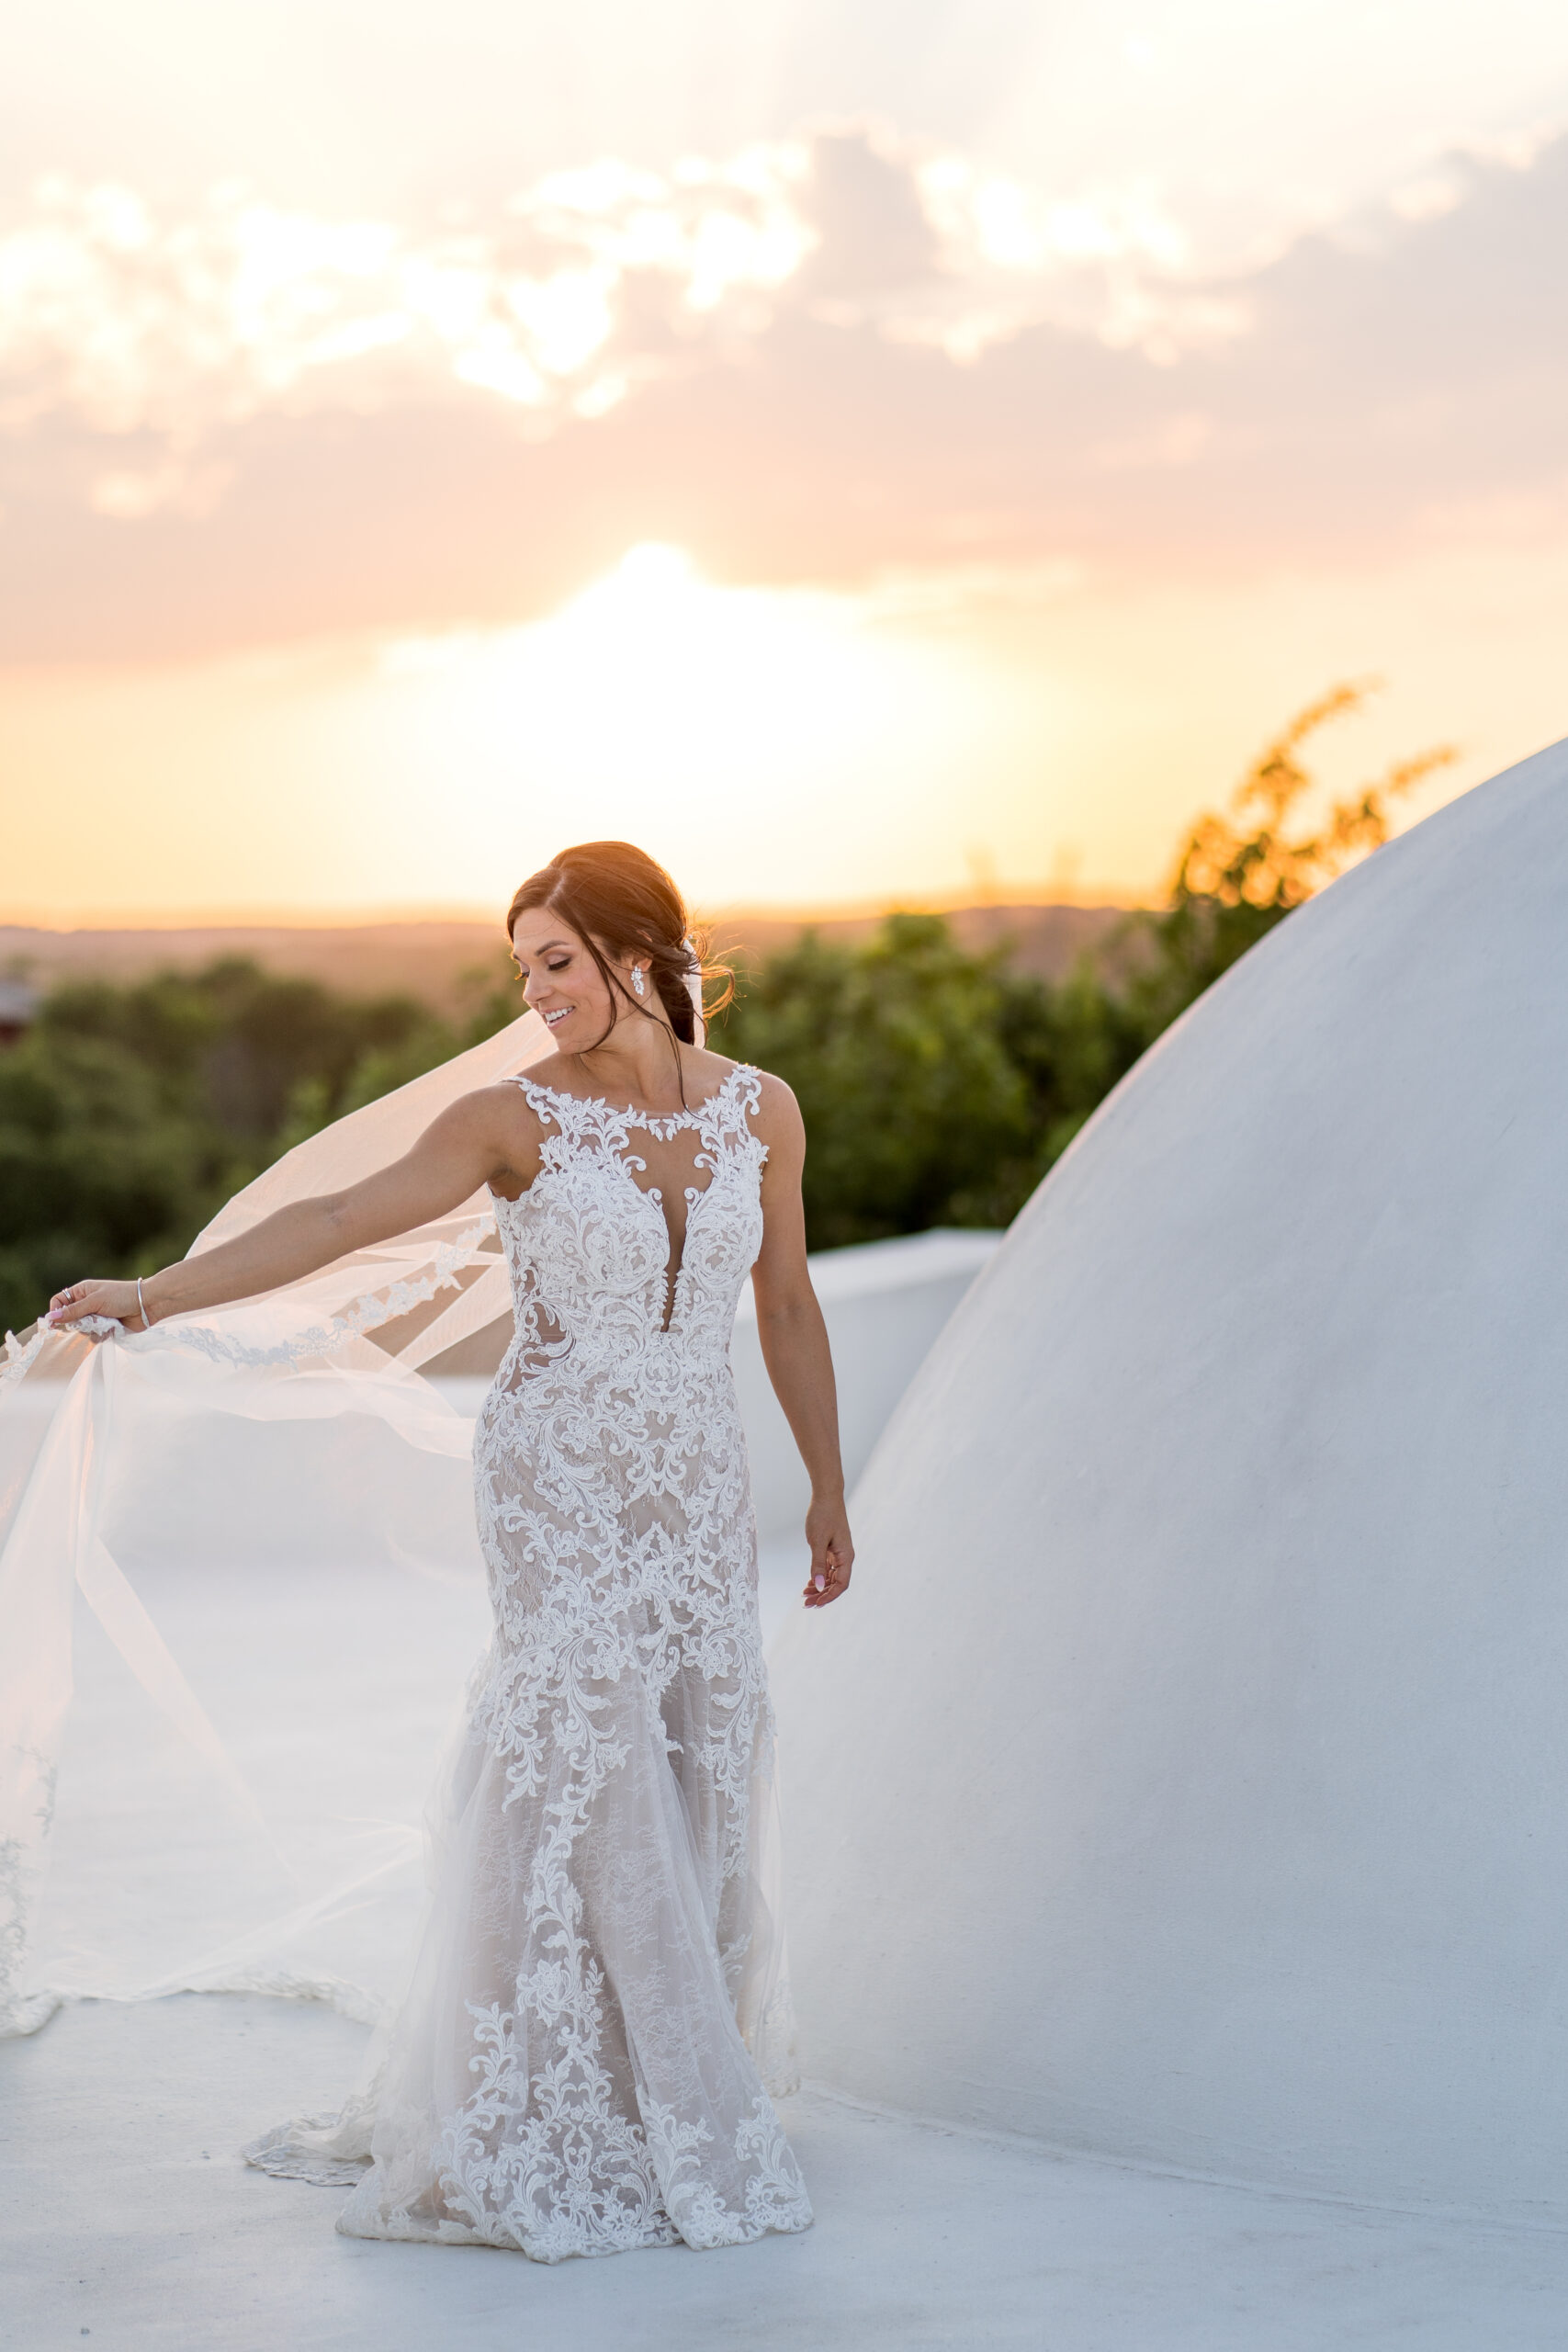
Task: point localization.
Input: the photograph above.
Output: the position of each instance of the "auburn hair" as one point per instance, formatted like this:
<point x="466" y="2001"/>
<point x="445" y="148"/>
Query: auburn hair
<point x="618" y="898"/>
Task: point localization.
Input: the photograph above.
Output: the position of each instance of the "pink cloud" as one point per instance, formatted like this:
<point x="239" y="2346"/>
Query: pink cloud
<point x="814" y="360"/>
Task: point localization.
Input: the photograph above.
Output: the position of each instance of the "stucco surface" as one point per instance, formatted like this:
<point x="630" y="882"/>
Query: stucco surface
<point x="1185" y="1781"/>
<point x="127" y="2222"/>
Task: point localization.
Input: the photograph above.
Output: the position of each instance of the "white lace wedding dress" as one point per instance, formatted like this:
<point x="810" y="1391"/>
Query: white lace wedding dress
<point x="599" y="2011"/>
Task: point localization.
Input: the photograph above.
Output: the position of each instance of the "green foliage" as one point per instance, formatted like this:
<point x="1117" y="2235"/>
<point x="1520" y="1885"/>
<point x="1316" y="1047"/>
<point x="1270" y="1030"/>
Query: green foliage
<point x="937" y="1086"/>
<point x="97" y="1166"/>
<point x="917" y="1114"/>
<point x="1235" y="880"/>
<point x="128" y="1114"/>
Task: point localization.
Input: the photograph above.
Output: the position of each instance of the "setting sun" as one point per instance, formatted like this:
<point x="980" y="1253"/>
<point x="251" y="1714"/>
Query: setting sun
<point x="742" y="729"/>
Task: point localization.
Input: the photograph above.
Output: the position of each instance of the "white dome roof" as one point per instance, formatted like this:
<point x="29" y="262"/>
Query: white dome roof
<point x="1187" y="1777"/>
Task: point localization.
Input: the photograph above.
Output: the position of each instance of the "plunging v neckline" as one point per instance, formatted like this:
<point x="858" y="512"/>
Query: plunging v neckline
<point x="661" y="1126"/>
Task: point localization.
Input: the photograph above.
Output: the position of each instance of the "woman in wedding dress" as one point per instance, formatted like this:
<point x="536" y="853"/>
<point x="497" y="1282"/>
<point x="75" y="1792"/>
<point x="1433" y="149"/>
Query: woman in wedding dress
<point x="599" y="2011"/>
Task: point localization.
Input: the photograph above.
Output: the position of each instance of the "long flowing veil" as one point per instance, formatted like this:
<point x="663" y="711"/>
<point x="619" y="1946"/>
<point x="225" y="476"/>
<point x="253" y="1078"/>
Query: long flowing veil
<point x="201" y="1528"/>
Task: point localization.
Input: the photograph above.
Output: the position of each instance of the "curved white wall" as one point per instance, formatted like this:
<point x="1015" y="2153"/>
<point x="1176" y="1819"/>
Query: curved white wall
<point x="1187" y="1777"/>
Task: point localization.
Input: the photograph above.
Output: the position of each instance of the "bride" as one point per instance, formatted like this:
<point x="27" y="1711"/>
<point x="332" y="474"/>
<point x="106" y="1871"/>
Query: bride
<point x="598" y="2013"/>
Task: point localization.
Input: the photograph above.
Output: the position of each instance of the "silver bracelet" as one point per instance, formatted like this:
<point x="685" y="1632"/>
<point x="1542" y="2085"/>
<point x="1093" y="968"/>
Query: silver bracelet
<point x="141" y="1306"/>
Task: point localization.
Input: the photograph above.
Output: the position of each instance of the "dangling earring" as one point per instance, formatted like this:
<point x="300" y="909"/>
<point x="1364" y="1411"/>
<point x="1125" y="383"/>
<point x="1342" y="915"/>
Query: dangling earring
<point x="637" y="982"/>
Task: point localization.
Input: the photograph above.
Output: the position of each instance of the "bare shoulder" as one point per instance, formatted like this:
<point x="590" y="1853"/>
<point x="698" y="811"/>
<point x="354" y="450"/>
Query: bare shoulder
<point x="778" y="1121"/>
<point x="777" y="1118"/>
<point x="502" y="1109"/>
<point x="500" y="1123"/>
<point x="704" y="1072"/>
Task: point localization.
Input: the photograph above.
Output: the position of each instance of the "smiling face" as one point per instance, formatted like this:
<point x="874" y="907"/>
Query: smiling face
<point x="562" y="982"/>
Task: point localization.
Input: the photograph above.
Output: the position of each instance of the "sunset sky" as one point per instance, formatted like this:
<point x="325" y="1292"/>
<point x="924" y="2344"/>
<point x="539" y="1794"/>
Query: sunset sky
<point x="856" y="450"/>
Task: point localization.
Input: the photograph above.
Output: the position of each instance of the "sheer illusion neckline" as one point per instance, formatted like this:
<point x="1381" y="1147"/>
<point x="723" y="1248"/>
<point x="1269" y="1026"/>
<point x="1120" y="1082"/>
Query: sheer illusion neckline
<point x="627" y="1113"/>
<point x="604" y="1129"/>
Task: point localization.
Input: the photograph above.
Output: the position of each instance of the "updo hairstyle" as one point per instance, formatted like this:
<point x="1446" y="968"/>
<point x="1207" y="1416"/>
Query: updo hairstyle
<point x="616" y="897"/>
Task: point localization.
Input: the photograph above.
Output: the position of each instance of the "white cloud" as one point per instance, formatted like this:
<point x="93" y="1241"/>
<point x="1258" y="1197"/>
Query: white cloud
<point x="579" y="286"/>
<point x="134" y="321"/>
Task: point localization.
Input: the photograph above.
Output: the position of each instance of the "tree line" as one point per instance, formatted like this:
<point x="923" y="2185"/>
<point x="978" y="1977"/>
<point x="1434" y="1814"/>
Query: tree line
<point x="937" y="1086"/>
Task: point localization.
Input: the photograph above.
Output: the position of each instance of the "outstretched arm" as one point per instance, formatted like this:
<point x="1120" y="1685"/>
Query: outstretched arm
<point x="473" y="1139"/>
<point x="795" y="1344"/>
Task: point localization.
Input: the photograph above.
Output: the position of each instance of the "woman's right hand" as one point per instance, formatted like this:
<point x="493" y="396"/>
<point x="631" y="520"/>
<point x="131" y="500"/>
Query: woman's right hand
<point x="101" y="1297"/>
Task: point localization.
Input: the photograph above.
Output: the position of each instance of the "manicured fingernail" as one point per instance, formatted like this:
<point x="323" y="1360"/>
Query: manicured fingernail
<point x="820" y="1582"/>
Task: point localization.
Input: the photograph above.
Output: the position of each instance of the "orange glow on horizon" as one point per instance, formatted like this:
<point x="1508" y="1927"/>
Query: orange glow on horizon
<point x="937" y="742"/>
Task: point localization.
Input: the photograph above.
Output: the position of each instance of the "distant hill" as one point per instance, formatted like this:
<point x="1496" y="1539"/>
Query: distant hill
<point x="429" y="960"/>
<point x="421" y="959"/>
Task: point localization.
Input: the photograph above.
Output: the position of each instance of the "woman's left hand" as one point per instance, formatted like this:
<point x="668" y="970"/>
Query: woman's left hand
<point x="832" y="1552"/>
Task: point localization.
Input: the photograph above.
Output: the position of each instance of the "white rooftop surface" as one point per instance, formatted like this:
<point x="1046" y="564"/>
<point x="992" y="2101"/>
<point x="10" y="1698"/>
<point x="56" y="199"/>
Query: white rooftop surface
<point x="127" y="2219"/>
<point x="1185" y="1774"/>
<point x="1184" y="1782"/>
<point x="126" y="2212"/>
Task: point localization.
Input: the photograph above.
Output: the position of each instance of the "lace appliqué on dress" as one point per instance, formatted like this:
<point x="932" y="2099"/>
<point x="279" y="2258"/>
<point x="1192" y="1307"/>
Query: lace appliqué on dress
<point x="600" y="2011"/>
